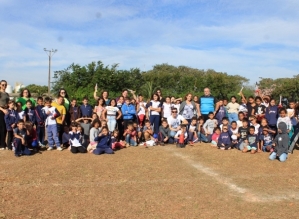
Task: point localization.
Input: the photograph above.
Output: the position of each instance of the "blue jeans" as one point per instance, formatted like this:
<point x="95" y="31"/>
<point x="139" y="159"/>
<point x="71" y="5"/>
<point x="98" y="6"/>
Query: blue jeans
<point x="155" y="121"/>
<point x="40" y="133"/>
<point x="111" y="123"/>
<point x="53" y="136"/>
<point x="99" y="151"/>
<point x="202" y="137"/>
<point x="130" y="141"/>
<point x="232" y="117"/>
<point x="281" y="158"/>
<point x="19" y="148"/>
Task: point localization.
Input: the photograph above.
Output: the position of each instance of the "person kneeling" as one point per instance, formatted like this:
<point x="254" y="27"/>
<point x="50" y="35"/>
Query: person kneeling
<point x="20" y="135"/>
<point x="75" y="140"/>
<point x="281" y="144"/>
<point x="181" y="137"/>
<point x="104" y="143"/>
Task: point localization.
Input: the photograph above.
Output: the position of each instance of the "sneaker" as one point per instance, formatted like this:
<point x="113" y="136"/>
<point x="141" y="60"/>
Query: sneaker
<point x="2" y="149"/>
<point x="59" y="149"/>
<point x="191" y="143"/>
<point x="127" y="145"/>
<point x="196" y="140"/>
<point x="50" y="149"/>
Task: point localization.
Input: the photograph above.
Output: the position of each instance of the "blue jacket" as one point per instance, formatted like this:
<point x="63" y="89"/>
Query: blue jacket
<point x="86" y="110"/>
<point x="39" y="115"/>
<point x="207" y="104"/>
<point x="224" y="138"/>
<point x="30" y="115"/>
<point x="271" y="115"/>
<point x="128" y="111"/>
<point x="104" y="141"/>
<point x="11" y="118"/>
<point x="220" y="114"/>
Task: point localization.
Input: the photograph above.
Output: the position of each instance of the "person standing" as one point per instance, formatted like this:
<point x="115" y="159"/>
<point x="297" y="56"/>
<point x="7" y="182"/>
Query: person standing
<point x="188" y="109"/>
<point x="60" y="120"/>
<point x="207" y="104"/>
<point x="4" y="98"/>
<point x="24" y="96"/>
<point x="66" y="102"/>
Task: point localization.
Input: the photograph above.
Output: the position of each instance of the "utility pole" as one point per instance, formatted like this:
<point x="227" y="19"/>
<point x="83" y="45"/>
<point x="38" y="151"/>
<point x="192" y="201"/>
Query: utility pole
<point x="50" y="53"/>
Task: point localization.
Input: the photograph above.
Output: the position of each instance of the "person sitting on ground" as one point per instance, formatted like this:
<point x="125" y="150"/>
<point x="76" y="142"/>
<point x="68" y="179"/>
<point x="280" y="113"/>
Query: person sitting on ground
<point x="210" y="125"/>
<point x="192" y="131"/>
<point x="266" y="140"/>
<point x="224" y="140"/>
<point x="164" y="133"/>
<point x="252" y="141"/>
<point x="201" y="132"/>
<point x="104" y="143"/>
<point x="148" y="131"/>
<point x="181" y="141"/>
<point x="86" y="125"/>
<point x="215" y="137"/>
<point x="20" y="144"/>
<point x="130" y="135"/>
<point x="115" y="144"/>
<point x="242" y="134"/>
<point x="174" y="121"/>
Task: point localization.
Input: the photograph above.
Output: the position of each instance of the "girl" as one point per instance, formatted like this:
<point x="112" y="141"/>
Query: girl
<point x="233" y="109"/>
<point x="259" y="109"/>
<point x="100" y="108"/>
<point x="188" y="108"/>
<point x="264" y="126"/>
<point x="155" y="110"/>
<point x="141" y="109"/>
<point x="94" y="116"/>
<point x="201" y="132"/>
<point x="221" y="112"/>
<point x="167" y="108"/>
<point x="94" y="132"/>
<point x="104" y="143"/>
<point x="215" y="137"/>
<point x="113" y="114"/>
<point x="75" y="140"/>
<point x="31" y="136"/>
<point x="11" y="119"/>
<point x="115" y="144"/>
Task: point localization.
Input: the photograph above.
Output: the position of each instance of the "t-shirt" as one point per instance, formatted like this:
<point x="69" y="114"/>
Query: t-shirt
<point x="61" y="110"/>
<point x="21" y="114"/>
<point x="209" y="125"/>
<point x="86" y="128"/>
<point x="20" y="132"/>
<point x="4" y="98"/>
<point x="49" y="120"/>
<point x="142" y="108"/>
<point x="249" y="108"/>
<point x="232" y="107"/>
<point x="252" y="140"/>
<point x="188" y="111"/>
<point x="180" y="132"/>
<point x="258" y="110"/>
<point x="93" y="133"/>
<point x="155" y="104"/>
<point x="175" y="122"/>
<point x="266" y="139"/>
<point x="243" y="108"/>
<point x="243" y="132"/>
<point x="23" y="100"/>
<point x="177" y="106"/>
<point x="167" y="109"/>
<point x="65" y="138"/>
<point x="112" y="110"/>
<point x="192" y="128"/>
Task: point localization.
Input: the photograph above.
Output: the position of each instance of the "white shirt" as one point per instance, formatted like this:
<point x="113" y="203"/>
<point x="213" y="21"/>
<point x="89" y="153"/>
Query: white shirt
<point x="256" y="127"/>
<point x="142" y="108"/>
<point x="155" y="104"/>
<point x="167" y="110"/>
<point x="75" y="142"/>
<point x="112" y="110"/>
<point x="175" y="122"/>
<point x="179" y="133"/>
<point x="49" y="120"/>
<point x="21" y="114"/>
<point x="177" y="106"/>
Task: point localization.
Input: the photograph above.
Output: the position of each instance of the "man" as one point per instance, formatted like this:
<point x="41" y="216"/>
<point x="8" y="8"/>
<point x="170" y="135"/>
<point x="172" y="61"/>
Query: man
<point x="207" y="104"/>
<point x="175" y="121"/>
<point x="58" y="104"/>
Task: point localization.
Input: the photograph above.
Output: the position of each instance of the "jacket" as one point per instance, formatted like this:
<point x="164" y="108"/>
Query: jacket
<point x="75" y="112"/>
<point x="104" y="141"/>
<point x="12" y="117"/>
<point x="128" y="111"/>
<point x="281" y="140"/>
<point x="224" y="138"/>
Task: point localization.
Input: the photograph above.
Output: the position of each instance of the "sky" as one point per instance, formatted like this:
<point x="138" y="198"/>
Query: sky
<point x="251" y="38"/>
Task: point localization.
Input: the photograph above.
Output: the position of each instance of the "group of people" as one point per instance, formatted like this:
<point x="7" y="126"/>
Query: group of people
<point x="255" y="124"/>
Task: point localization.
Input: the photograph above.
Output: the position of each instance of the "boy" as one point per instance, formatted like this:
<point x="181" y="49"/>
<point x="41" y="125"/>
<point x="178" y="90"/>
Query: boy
<point x="30" y="113"/>
<point x="242" y="134"/>
<point x="225" y="121"/>
<point x="241" y="116"/>
<point x="280" y="144"/>
<point x="58" y="104"/>
<point x="130" y="136"/>
<point x="86" y="125"/>
<point x="11" y="119"/>
<point x="201" y="132"/>
<point x="50" y="113"/>
<point x="20" y="140"/>
<point x="291" y="113"/>
<point x="210" y="125"/>
<point x="85" y="108"/>
<point x="284" y="118"/>
<point x="40" y="122"/>
<point x="174" y="121"/>
<point x="224" y="140"/>
<point x="164" y="133"/>
<point x="128" y="112"/>
<point x="192" y="132"/>
<point x="75" y="111"/>
<point x="252" y="141"/>
<point x="148" y="131"/>
<point x="181" y="137"/>
<point x="253" y="122"/>
<point x="266" y="140"/>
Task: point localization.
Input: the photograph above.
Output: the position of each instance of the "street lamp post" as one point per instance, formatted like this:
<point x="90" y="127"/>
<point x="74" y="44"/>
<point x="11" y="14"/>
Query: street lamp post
<point x="50" y="53"/>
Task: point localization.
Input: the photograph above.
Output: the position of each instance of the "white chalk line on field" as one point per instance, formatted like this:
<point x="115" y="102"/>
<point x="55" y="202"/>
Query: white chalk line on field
<point x="244" y="193"/>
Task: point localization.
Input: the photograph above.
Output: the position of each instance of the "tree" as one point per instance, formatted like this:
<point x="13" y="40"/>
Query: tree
<point x="37" y="89"/>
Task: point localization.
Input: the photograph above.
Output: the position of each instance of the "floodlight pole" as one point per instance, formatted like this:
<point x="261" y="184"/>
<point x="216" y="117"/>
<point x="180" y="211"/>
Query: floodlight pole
<point x="50" y="53"/>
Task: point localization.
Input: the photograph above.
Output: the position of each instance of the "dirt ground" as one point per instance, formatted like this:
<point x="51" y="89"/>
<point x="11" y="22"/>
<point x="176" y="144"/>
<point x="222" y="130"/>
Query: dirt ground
<point x="155" y="182"/>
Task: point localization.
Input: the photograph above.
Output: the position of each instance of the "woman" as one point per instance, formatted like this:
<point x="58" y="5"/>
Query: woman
<point x="188" y="108"/>
<point x="24" y="96"/>
<point x="104" y="95"/>
<point x="4" y="98"/>
<point x="100" y="108"/>
<point x="62" y="92"/>
<point x="155" y="110"/>
<point x="113" y="114"/>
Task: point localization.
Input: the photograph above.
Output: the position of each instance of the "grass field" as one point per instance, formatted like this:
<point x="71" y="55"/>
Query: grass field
<point x="155" y="182"/>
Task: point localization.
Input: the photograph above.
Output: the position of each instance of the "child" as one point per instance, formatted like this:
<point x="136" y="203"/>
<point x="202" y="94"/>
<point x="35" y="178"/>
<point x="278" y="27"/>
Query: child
<point x="221" y="113"/>
<point x="233" y="132"/>
<point x="264" y="125"/>
<point x="148" y="130"/>
<point x="253" y="123"/>
<point x="40" y="122"/>
<point x="242" y="134"/>
<point x="166" y="108"/>
<point x="272" y="114"/>
<point x="291" y="113"/>
<point x="210" y="125"/>
<point x="224" y="140"/>
<point x="66" y="137"/>
<point x="115" y="144"/>
<point x="21" y="111"/>
<point x="215" y="137"/>
<point x="201" y="132"/>
<point x="20" y="134"/>
<point x="75" y="137"/>
<point x="233" y="109"/>
<point x="31" y="136"/>
<point x="164" y="133"/>
<point x="225" y="121"/>
<point x="192" y="131"/>
<point x="266" y="140"/>
<point x="284" y="118"/>
<point x="75" y="111"/>
<point x="50" y="113"/>
<point x="251" y="141"/>
<point x="181" y="137"/>
<point x="86" y="127"/>
<point x="104" y="142"/>
<point x="11" y="119"/>
<point x="93" y="133"/>
<point x="241" y="116"/>
<point x="141" y="109"/>
<point x="259" y="109"/>
<point x="29" y="112"/>
<point x="85" y="108"/>
<point x="100" y="108"/>
<point x="130" y="136"/>
<point x="280" y="144"/>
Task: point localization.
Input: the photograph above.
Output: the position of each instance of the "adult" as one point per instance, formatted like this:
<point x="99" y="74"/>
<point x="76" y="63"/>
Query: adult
<point x="188" y="108"/>
<point x="66" y="102"/>
<point x="207" y="104"/>
<point x="161" y="99"/>
<point x="24" y="96"/>
<point x="4" y="98"/>
<point x="58" y="104"/>
<point x="174" y="121"/>
<point x="104" y="95"/>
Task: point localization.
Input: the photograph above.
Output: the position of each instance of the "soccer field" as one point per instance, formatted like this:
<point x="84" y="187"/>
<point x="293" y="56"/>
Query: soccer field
<point x="155" y="182"/>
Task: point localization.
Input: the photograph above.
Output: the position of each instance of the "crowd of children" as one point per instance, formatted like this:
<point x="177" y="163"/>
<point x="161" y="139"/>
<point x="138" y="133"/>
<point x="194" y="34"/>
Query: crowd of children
<point x="255" y="125"/>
